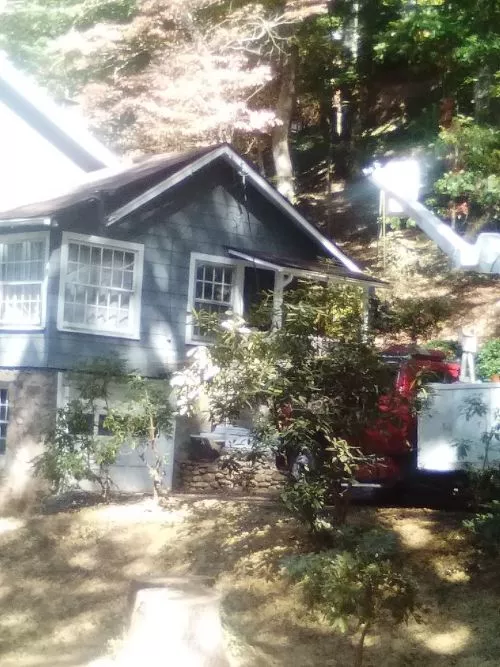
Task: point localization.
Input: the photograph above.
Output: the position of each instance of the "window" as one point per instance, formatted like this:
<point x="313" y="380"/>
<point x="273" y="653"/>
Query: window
<point x="100" y="290"/>
<point x="23" y="268"/>
<point x="4" y="419"/>
<point x="215" y="286"/>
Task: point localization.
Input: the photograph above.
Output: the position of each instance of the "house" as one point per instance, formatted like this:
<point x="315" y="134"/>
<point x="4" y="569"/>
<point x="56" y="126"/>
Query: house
<point x="119" y="263"/>
<point x="103" y="257"/>
<point x="45" y="149"/>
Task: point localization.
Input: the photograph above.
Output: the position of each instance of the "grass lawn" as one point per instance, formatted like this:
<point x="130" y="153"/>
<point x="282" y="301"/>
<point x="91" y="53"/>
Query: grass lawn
<point x="66" y="580"/>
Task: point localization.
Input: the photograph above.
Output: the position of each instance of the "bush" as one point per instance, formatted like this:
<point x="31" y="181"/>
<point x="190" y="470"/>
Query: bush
<point x="415" y="317"/>
<point x="306" y="500"/>
<point x="451" y="348"/>
<point x="482" y="486"/>
<point x="485" y="529"/>
<point x="358" y="588"/>
<point x="488" y="359"/>
<point x="74" y="452"/>
<point x="316" y="382"/>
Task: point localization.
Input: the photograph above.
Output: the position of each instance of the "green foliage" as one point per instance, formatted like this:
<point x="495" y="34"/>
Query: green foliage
<point x="488" y="359"/>
<point x="451" y="348"/>
<point x="305" y="499"/>
<point x="415" y="317"/>
<point x="472" y="155"/>
<point x="485" y="529"/>
<point x="483" y="485"/>
<point x="74" y="452"/>
<point x="92" y="379"/>
<point x="315" y="381"/>
<point x="357" y="587"/>
<point x="140" y="421"/>
<point x="482" y="479"/>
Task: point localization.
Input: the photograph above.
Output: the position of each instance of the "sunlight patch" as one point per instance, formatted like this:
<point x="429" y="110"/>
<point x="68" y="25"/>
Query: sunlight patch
<point x="414" y="536"/>
<point x="144" y="511"/>
<point x="9" y="524"/>
<point x="17" y="619"/>
<point x="446" y="643"/>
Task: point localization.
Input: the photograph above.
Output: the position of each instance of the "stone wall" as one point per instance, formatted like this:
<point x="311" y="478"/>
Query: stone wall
<point x="32" y="396"/>
<point x="223" y="475"/>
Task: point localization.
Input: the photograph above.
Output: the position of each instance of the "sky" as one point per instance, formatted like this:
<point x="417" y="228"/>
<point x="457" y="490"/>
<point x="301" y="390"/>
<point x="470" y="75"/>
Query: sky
<point x="31" y="168"/>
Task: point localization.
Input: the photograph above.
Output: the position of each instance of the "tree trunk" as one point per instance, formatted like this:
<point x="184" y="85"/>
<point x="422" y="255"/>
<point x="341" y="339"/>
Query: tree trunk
<point x="279" y="135"/>
<point x="358" y="657"/>
<point x="482" y="94"/>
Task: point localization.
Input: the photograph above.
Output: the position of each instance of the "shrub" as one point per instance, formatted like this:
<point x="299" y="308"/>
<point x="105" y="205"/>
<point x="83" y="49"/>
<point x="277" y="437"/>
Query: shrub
<point x="485" y="529"/>
<point x="306" y="500"/>
<point x="357" y="588"/>
<point x="316" y="382"/>
<point x="415" y="317"/>
<point x="74" y="452"/>
<point x="488" y="359"/>
<point x="451" y="348"/>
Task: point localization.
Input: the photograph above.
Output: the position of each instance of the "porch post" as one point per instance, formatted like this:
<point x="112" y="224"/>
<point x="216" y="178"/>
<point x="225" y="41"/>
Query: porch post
<point x="367" y="293"/>
<point x="281" y="280"/>
<point x="277" y="318"/>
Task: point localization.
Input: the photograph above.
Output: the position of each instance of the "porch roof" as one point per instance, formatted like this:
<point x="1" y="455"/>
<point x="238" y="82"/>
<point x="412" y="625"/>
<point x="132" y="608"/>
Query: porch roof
<point x="318" y="269"/>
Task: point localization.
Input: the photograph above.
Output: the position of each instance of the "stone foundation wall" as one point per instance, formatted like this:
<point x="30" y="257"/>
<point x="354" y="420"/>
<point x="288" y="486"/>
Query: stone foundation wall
<point x="219" y="476"/>
<point x="32" y="396"/>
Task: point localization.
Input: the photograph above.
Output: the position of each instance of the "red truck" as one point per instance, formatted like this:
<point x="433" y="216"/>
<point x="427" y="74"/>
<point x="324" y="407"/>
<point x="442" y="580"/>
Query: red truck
<point x="391" y="441"/>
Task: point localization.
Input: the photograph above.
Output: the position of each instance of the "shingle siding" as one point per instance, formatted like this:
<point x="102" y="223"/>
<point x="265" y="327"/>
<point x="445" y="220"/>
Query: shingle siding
<point x="205" y="214"/>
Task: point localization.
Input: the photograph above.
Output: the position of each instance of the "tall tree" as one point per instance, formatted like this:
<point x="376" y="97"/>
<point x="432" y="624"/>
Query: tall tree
<point x="157" y="76"/>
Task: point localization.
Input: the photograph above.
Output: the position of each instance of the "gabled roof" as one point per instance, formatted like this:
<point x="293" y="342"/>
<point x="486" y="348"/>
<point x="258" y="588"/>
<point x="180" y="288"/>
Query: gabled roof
<point x="106" y="182"/>
<point x="60" y="128"/>
<point x="154" y="176"/>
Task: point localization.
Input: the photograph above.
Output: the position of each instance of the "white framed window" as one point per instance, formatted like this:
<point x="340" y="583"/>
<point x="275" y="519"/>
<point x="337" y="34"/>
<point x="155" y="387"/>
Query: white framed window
<point x="100" y="286"/>
<point x="215" y="286"/>
<point x="4" y="418"/>
<point x="23" y="280"/>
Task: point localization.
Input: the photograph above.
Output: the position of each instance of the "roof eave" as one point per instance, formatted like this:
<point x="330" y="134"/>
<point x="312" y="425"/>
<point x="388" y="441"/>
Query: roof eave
<point x="305" y="273"/>
<point x="44" y="221"/>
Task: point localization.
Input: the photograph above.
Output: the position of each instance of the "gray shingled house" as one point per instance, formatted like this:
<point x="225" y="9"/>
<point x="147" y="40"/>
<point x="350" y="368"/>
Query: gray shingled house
<point x="120" y="263"/>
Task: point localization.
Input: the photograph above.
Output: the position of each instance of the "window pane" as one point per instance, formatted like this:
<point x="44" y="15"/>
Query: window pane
<point x="128" y="280"/>
<point x="72" y="252"/>
<point x="118" y="258"/>
<point x="84" y="254"/>
<point x="107" y="258"/>
<point x="95" y="256"/>
<point x="117" y="278"/>
<point x="128" y="262"/>
<point x="209" y="273"/>
<point x="106" y="277"/>
<point x="79" y="314"/>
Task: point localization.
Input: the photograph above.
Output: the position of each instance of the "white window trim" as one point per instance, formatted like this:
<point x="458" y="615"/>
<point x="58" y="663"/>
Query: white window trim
<point x="32" y="236"/>
<point x="136" y="300"/>
<point x="237" y="305"/>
